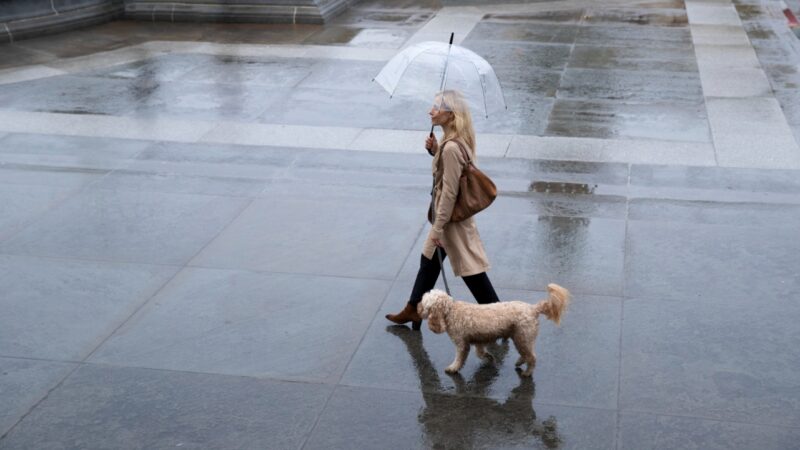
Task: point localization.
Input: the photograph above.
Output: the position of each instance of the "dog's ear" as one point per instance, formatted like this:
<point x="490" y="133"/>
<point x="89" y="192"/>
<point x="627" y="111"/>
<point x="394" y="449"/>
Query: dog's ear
<point x="435" y="312"/>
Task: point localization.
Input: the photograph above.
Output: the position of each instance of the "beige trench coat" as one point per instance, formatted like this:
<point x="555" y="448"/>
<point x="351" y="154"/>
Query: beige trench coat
<point x="460" y="239"/>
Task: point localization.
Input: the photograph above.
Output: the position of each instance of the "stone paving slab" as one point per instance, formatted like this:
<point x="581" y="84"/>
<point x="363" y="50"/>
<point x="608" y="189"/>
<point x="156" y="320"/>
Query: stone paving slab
<point x="93" y="299"/>
<point x="728" y="35"/>
<point x="669" y="432"/>
<point x="184" y="327"/>
<point x="694" y="250"/>
<point x="105" y="407"/>
<point x="678" y="360"/>
<point x="23" y="383"/>
<point x="122" y="226"/>
<point x="259" y="240"/>
<point x="752" y="132"/>
<point x="22" y="203"/>
<point x="389" y="419"/>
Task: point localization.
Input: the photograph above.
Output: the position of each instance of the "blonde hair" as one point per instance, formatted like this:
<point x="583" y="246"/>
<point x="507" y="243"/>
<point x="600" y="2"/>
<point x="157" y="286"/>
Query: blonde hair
<point x="461" y="122"/>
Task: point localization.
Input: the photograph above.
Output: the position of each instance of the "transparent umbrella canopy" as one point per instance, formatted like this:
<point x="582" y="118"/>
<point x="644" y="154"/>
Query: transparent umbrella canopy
<point x="421" y="70"/>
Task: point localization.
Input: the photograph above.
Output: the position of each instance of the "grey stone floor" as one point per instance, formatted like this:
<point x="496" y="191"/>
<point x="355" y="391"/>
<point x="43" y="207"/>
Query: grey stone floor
<point x="165" y="292"/>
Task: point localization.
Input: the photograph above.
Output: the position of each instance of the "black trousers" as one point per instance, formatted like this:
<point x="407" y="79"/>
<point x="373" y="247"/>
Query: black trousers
<point x="429" y="269"/>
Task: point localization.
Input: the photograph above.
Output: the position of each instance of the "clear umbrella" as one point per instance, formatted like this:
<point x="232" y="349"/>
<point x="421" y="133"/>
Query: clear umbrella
<point x="422" y="70"/>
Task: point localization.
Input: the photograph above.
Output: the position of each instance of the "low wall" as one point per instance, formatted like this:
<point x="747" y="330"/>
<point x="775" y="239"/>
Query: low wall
<point x="20" y="19"/>
<point x="265" y="11"/>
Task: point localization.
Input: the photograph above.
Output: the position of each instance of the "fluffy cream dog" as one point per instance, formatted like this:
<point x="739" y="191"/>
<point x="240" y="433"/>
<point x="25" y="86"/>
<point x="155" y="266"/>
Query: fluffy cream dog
<point x="469" y="324"/>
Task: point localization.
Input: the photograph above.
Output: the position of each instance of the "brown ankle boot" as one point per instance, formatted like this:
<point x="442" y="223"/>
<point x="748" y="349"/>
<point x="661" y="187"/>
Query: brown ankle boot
<point x="408" y="314"/>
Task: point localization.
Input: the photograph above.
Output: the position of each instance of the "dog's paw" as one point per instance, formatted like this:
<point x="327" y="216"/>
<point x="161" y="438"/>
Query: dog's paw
<point x="451" y="369"/>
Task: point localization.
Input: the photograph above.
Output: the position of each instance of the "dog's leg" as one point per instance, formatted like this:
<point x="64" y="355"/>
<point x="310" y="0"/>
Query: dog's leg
<point x="525" y="349"/>
<point x="480" y="350"/>
<point x="462" y="350"/>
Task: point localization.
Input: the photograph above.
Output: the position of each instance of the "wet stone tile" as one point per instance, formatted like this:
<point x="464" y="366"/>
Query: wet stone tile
<point x="366" y="418"/>
<point x="730" y="179"/>
<point x="536" y="82"/>
<point x="682" y="261"/>
<point x="363" y="16"/>
<point x="632" y="58"/>
<point x="720" y="213"/>
<point x="62" y="309"/>
<point x="158" y="69"/>
<point x="614" y="119"/>
<point x="526" y="114"/>
<point x="244" y="323"/>
<point x="69" y="151"/>
<point x="219" y="154"/>
<point x="49" y="176"/>
<point x="145" y="227"/>
<point x="356" y="170"/>
<point x="264" y="237"/>
<point x="659" y="38"/>
<point x="145" y="181"/>
<point x="71" y="94"/>
<point x="256" y="33"/>
<point x="639" y="430"/>
<point x="524" y="32"/>
<point x="649" y="17"/>
<point x="23" y="383"/>
<point x="673" y="87"/>
<point x="380" y="38"/>
<point x="333" y="35"/>
<point x="349" y="75"/>
<point x="568" y="16"/>
<point x="562" y="199"/>
<point x="245" y="70"/>
<point x="12" y="55"/>
<point x="520" y="55"/>
<point x="542" y="170"/>
<point x="203" y="101"/>
<point x="138" y="409"/>
<point x="347" y="108"/>
<point x="713" y="358"/>
<point x="75" y="43"/>
<point x="21" y="204"/>
<point x="577" y="362"/>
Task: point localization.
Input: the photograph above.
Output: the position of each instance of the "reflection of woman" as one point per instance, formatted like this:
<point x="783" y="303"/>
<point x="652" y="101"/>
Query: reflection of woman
<point x="459" y="240"/>
<point x="470" y="419"/>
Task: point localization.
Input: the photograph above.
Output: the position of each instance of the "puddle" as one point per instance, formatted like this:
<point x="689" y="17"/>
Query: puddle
<point x="561" y="188"/>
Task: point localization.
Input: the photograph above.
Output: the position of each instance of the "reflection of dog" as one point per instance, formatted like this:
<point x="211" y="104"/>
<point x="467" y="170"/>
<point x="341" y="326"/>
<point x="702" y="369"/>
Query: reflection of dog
<point x="469" y="324"/>
<point x="468" y="417"/>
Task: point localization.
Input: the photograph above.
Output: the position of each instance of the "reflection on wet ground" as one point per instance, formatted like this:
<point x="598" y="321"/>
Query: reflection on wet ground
<point x="468" y="417"/>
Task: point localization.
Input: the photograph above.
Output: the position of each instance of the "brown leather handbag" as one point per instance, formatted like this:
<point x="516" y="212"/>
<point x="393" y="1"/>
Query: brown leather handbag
<point x="475" y="193"/>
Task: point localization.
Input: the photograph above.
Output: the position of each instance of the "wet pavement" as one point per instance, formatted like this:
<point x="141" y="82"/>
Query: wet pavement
<point x="202" y="227"/>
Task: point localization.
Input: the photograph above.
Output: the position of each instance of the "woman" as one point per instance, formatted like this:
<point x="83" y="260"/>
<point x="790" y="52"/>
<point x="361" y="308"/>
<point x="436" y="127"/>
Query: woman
<point x="459" y="240"/>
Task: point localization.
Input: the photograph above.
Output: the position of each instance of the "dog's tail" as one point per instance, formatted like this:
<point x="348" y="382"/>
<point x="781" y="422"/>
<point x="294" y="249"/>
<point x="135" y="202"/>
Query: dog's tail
<point x="556" y="303"/>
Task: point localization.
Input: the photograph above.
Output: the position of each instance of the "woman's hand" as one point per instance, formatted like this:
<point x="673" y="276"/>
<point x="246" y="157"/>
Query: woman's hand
<point x="431" y="144"/>
<point x="438" y="243"/>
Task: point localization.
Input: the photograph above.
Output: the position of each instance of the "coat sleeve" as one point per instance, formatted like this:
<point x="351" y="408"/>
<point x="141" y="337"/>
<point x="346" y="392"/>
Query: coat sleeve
<point x="453" y="165"/>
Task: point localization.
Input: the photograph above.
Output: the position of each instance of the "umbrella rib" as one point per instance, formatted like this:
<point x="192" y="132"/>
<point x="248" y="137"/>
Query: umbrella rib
<point x="483" y="88"/>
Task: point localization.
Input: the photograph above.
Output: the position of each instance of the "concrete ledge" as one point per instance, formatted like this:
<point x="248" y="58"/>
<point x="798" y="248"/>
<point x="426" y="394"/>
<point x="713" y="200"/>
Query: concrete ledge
<point x="56" y="22"/>
<point x="264" y="11"/>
